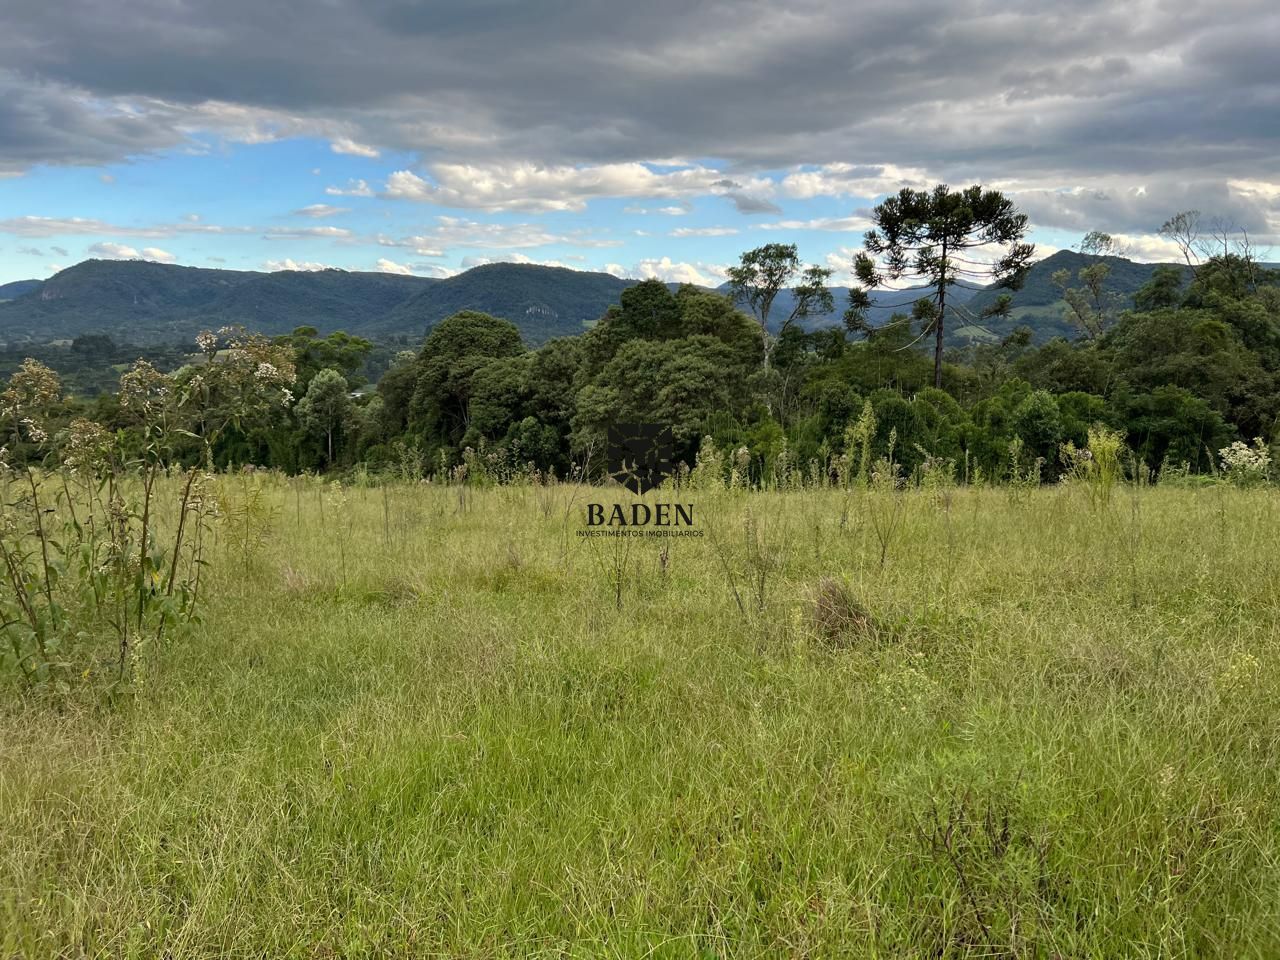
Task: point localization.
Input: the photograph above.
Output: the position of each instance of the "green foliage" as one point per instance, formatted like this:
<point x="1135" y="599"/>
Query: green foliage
<point x="325" y="407"/>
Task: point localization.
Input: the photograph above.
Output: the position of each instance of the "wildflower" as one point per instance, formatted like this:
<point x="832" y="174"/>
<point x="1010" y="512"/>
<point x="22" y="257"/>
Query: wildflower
<point x="266" y="371"/>
<point x="286" y="396"/>
<point x="32" y="388"/>
<point x="143" y="388"/>
<point x="34" y="430"/>
<point x="207" y="341"/>
<point x="1245" y="464"/>
<point x="86" y="448"/>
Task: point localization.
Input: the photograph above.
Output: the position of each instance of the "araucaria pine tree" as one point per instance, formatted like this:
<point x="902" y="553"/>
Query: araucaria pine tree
<point x="930" y="240"/>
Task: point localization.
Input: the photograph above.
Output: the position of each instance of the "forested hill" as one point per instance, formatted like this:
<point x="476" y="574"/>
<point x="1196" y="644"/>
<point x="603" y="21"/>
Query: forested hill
<point x="145" y="302"/>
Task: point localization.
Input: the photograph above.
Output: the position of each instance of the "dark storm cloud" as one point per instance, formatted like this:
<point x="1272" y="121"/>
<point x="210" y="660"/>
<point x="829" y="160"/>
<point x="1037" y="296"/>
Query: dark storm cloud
<point x="1165" y="92"/>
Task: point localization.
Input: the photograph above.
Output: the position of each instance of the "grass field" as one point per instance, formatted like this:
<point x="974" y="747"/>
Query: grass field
<point x="435" y="722"/>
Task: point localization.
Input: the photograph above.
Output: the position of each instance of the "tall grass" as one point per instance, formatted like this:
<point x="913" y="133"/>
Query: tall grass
<point x="440" y="725"/>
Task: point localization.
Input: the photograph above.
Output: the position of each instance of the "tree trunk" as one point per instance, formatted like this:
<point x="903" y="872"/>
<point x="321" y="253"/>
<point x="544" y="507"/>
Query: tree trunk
<point x="941" y="321"/>
<point x="330" y="435"/>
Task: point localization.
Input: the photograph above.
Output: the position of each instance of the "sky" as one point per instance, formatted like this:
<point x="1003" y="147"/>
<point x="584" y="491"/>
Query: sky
<point x="658" y="139"/>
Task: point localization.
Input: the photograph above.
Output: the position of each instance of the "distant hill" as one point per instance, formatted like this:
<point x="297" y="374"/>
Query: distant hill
<point x="884" y="304"/>
<point x="544" y="302"/>
<point x="1038" y="304"/>
<point x="147" y="303"/>
<point x="18" y="288"/>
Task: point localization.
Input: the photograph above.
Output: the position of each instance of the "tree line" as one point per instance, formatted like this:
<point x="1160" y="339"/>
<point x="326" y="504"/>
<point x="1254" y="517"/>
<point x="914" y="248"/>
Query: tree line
<point x="1185" y="369"/>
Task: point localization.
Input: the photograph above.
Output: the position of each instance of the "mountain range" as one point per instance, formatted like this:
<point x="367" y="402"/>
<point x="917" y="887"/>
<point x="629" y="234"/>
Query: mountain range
<point x="144" y="302"/>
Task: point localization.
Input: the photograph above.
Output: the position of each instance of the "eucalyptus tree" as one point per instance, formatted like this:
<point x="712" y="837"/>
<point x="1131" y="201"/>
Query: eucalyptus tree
<point x="763" y="273"/>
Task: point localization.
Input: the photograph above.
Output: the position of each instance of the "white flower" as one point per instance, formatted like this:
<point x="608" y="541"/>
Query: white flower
<point x="286" y="396"/>
<point x="34" y="430"/>
<point x="267" y="371"/>
<point x="207" y="341"/>
<point x="1244" y="463"/>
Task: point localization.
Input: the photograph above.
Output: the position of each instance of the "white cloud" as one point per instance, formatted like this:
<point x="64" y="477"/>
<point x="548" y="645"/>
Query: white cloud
<point x="58" y="226"/>
<point x="461" y="232"/>
<point x="836" y="224"/>
<point x="528" y="186"/>
<point x="320" y="210"/>
<point x="435" y="270"/>
<point x="852" y="180"/>
<point x="274" y="233"/>
<point x="121" y="251"/>
<point x="349" y="146"/>
<point x="702" y="274"/>
<point x="703" y="232"/>
<point x="390" y="266"/>
<point x="290" y="264"/>
<point x="678" y="210"/>
<point x="469" y="262"/>
<point x="354" y="188"/>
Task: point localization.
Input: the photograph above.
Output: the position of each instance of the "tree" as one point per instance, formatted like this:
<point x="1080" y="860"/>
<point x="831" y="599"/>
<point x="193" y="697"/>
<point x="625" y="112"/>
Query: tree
<point x="325" y="406"/>
<point x="457" y="348"/>
<point x="765" y="272"/>
<point x="921" y="237"/>
<point x="1183" y="229"/>
<point x="1090" y="306"/>
<point x="1099" y="244"/>
<point x="1164" y="289"/>
<point x="338" y="351"/>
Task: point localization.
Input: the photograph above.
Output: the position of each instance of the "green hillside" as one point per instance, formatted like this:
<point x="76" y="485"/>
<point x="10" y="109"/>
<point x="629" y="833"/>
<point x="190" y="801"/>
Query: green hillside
<point x="544" y="302"/>
<point x="148" y="303"/>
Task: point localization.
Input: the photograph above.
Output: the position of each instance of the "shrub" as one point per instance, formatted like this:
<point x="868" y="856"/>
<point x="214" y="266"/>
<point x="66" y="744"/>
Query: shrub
<point x="836" y="616"/>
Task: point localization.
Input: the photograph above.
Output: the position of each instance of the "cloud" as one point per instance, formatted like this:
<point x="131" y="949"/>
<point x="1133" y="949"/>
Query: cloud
<point x="290" y="264"/>
<point x="533" y="187"/>
<point x="120" y="251"/>
<point x="349" y="146"/>
<point x="461" y="232"/>
<point x="436" y="270"/>
<point x="675" y="210"/>
<point x="851" y="180"/>
<point x="703" y="232"/>
<point x="31" y="251"/>
<point x="390" y="266"/>
<point x="477" y="261"/>
<point x="292" y="233"/>
<point x="702" y="274"/>
<point x="836" y="224"/>
<point x="320" y="210"/>
<point x="63" y="226"/>
<point x="746" y="203"/>
<point x="354" y="188"/>
<point x="588" y="101"/>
